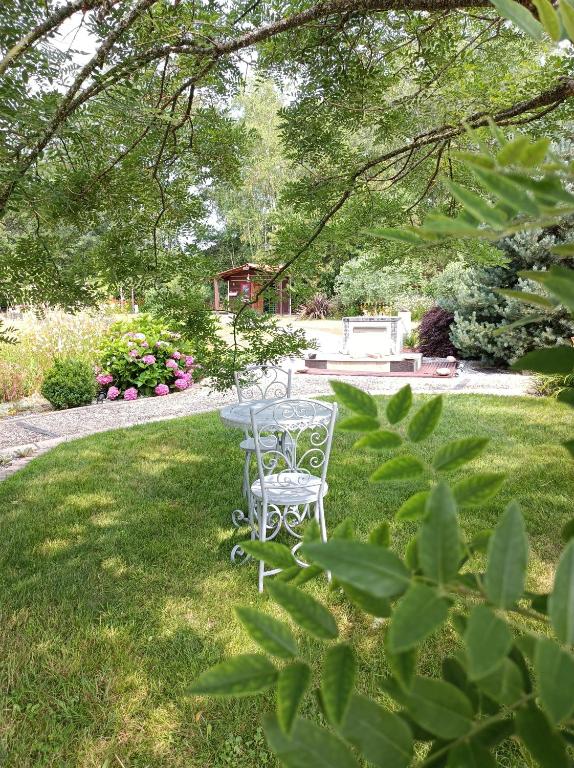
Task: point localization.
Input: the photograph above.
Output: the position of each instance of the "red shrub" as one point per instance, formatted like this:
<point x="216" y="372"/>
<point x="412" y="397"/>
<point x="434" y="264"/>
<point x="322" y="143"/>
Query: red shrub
<point x="434" y="333"/>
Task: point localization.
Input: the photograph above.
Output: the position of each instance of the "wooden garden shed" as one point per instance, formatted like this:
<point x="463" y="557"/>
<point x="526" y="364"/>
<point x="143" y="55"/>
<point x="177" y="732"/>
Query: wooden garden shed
<point x="242" y="284"/>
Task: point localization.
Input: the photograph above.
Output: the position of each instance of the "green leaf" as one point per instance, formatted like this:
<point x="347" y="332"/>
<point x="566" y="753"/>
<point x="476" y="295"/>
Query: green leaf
<point x="477" y="206"/>
<point x="475" y="490"/>
<point x="555" y="675"/>
<point x="561" y="602"/>
<point x="470" y="755"/>
<point x="567" y="17"/>
<point x="398" y="468"/>
<point x="526" y="298"/>
<point x="380" y="440"/>
<point x="305" y="611"/>
<point x="374" y="606"/>
<point x="292" y="683"/>
<point x="507" y="559"/>
<point x="312" y="531"/>
<point x="307" y="745"/>
<point x="564" y="250"/>
<point x="402" y="665"/>
<point x="272" y="635"/>
<point x="541" y="740"/>
<point x="569" y="445"/>
<point x="438" y="707"/>
<point x="566" y="396"/>
<point x="382" y="738"/>
<point x="504" y="685"/>
<point x="458" y="452"/>
<point x="404" y="235"/>
<point x="414" y="508"/>
<point x="549" y="18"/>
<point x="344" y="530"/>
<point x="242" y="675"/>
<point x="568" y="530"/>
<point x="425" y="420"/>
<point x="412" y="555"/>
<point x="504" y="189"/>
<point x="558" y="280"/>
<point x="372" y="569"/>
<point x="305" y="575"/>
<point x="438" y="539"/>
<point x="357" y="400"/>
<point x="358" y="424"/>
<point x="527" y="320"/>
<point x="273" y="553"/>
<point x="488" y="641"/>
<point x="437" y="224"/>
<point x="558" y="359"/>
<point x="513" y="151"/>
<point x="419" y="613"/>
<point x="399" y="405"/>
<point x="519" y="16"/>
<point x="380" y="535"/>
<point x="535" y="153"/>
<point x="337" y="681"/>
<point x="479" y="542"/>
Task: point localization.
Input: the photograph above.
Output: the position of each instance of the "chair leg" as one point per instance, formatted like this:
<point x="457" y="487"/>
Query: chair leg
<point x="246" y="467"/>
<point x="322" y="525"/>
<point x="262" y="537"/>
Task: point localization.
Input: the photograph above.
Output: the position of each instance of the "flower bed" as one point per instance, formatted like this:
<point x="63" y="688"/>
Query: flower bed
<point x="135" y="363"/>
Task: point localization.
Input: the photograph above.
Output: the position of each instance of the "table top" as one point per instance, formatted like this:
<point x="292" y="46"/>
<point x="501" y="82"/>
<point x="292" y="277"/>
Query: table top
<point x="238" y="415"/>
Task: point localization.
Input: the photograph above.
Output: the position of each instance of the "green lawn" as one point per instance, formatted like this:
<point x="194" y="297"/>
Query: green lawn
<point x="116" y="587"/>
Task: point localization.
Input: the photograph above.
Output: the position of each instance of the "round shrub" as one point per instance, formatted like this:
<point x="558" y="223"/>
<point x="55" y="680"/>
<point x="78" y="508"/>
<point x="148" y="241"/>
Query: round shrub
<point x="434" y="333"/>
<point x="69" y="383"/>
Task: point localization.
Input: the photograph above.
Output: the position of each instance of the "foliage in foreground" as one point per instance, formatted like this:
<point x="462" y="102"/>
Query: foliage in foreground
<point x="509" y="680"/>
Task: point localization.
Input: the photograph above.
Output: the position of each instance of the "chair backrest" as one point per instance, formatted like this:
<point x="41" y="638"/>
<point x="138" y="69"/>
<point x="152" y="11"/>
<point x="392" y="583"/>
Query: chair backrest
<point x="293" y="440"/>
<point x="262" y="383"/>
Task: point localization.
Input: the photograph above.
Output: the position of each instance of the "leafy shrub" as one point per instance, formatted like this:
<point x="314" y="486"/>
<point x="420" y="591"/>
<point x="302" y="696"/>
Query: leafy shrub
<point x="434" y="333"/>
<point x="69" y="383"/>
<point x="473" y="294"/>
<point x="143" y="357"/>
<point x="318" y="307"/>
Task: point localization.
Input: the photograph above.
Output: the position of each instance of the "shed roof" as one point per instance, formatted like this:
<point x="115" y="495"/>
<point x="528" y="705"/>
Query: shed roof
<point x="246" y="269"/>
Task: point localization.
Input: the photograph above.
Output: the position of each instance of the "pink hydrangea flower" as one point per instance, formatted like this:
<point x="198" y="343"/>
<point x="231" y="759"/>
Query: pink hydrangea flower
<point x="104" y="379"/>
<point x="133" y="353"/>
<point x="148" y="359"/>
<point x="162" y="389"/>
<point x="176" y="355"/>
<point x="161" y="343"/>
<point x="112" y="393"/>
<point x="189" y="361"/>
<point x="179" y="374"/>
<point x="181" y="384"/>
<point x="171" y="364"/>
<point x="144" y="344"/>
<point x="131" y="394"/>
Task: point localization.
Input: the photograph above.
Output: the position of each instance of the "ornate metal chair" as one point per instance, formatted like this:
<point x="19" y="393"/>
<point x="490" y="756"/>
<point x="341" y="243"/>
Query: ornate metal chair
<point x="291" y="481"/>
<point x="254" y="384"/>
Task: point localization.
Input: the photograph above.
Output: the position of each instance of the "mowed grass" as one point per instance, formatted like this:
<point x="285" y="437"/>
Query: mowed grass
<point x="116" y="587"/>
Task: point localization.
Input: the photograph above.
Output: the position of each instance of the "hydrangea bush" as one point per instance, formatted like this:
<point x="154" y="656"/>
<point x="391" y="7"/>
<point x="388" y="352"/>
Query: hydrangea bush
<point x="147" y="359"/>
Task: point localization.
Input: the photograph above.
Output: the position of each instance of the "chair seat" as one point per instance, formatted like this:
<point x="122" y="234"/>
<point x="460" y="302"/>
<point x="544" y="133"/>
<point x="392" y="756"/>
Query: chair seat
<point x="249" y="443"/>
<point x="290" y="488"/>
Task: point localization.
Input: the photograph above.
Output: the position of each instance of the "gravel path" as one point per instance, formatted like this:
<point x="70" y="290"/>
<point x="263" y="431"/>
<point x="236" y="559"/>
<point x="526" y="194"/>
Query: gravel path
<point x="23" y="437"/>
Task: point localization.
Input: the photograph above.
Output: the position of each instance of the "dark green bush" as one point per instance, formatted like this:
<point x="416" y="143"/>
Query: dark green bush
<point x="69" y="382"/>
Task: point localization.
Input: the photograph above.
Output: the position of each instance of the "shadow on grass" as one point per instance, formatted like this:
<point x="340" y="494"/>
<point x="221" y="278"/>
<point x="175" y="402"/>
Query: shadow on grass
<point x="117" y="588"/>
